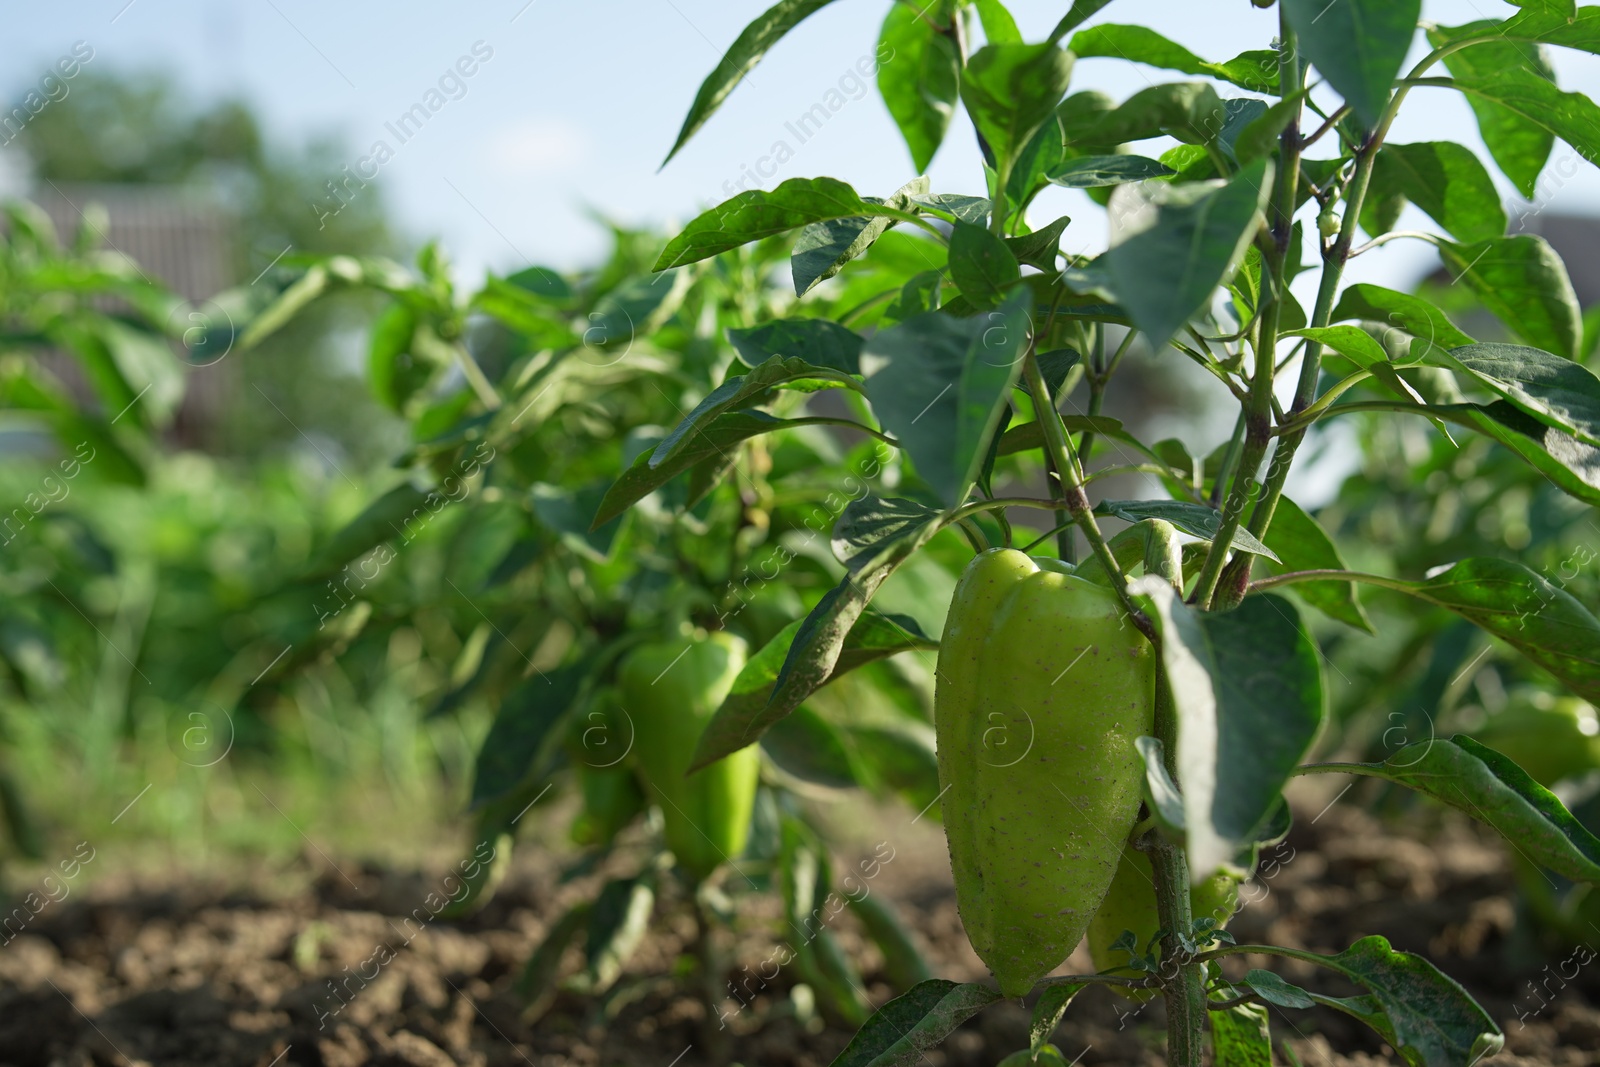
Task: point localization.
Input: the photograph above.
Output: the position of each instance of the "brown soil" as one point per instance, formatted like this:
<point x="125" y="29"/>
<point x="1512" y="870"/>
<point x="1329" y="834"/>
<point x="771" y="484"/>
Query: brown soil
<point x="185" y="972"/>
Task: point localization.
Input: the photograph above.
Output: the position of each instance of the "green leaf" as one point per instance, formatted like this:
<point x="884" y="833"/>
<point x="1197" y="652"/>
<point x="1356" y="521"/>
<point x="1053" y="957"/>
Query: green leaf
<point x="1048" y="1011"/>
<point x="738" y="391"/>
<point x="526" y="732"/>
<point x="1303" y="546"/>
<point x="818" y="342"/>
<point x="1412" y="314"/>
<point x="392" y="373"/>
<point x="1080" y="12"/>
<point x="1010" y="90"/>
<point x="1573" y="27"/>
<point x="1545" y="623"/>
<point x="1571" y="465"/>
<point x="900" y="1032"/>
<point x="1094" y="172"/>
<point x="902" y="963"/>
<point x="711" y="441"/>
<point x="1183" y="244"/>
<point x="1556" y="391"/>
<point x="808" y="747"/>
<point x="1447" y="181"/>
<point x="617" y="925"/>
<point x="1274" y="990"/>
<point x="1476" y="779"/>
<point x="756" y="213"/>
<point x="1139" y="44"/>
<point x="1247" y="686"/>
<point x="303" y="291"/>
<point x="1240" y="1037"/>
<point x="870" y="522"/>
<point x="823" y="248"/>
<point x="1572" y="117"/>
<point x="813" y="651"/>
<point x="1518" y="145"/>
<point x="1358" y="45"/>
<point x="740" y="59"/>
<point x="1524" y="283"/>
<point x="921" y="83"/>
<point x="958" y="207"/>
<point x="566" y="512"/>
<point x="938" y="383"/>
<point x="998" y="25"/>
<point x="981" y="265"/>
<point x="1196" y="520"/>
<point x="1428" y="1018"/>
<point x="539" y="975"/>
<point x="1190" y="111"/>
<point x="1039" y="249"/>
<point x="379" y="522"/>
<point x="1351" y="342"/>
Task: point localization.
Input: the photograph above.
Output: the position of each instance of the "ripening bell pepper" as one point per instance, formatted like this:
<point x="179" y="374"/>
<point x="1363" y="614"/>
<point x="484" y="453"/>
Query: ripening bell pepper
<point x="671" y="690"/>
<point x="1042" y="688"/>
<point x="597" y="746"/>
<point x="1130" y="904"/>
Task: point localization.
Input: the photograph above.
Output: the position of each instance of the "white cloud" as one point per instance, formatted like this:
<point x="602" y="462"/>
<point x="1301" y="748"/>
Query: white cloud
<point x="536" y="146"/>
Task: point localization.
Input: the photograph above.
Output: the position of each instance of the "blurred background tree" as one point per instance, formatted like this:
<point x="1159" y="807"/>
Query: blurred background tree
<point x="128" y="140"/>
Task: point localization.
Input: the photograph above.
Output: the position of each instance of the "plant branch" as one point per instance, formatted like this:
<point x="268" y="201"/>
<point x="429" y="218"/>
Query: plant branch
<point x="1058" y="445"/>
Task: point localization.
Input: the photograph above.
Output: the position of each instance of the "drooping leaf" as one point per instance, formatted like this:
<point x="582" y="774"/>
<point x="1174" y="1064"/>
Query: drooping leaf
<point x="810" y="653"/>
<point x="1546" y="624"/>
<point x="1570" y="464"/>
<point x="714" y="440"/>
<point x="1190" y="111"/>
<point x="981" y="265"/>
<point x="738" y="391"/>
<point x="823" y="248"/>
<point x="1555" y="391"/>
<point x="1275" y="990"/>
<point x="1488" y="786"/>
<point x="938" y="384"/>
<point x="617" y="924"/>
<point x="757" y="213"/>
<point x="525" y="731"/>
<point x="921" y="84"/>
<point x="1401" y="311"/>
<point x="1533" y="99"/>
<point x="900" y="1032"/>
<point x="1447" y="181"/>
<point x="1010" y="90"/>
<point x="535" y="984"/>
<point x="1140" y="44"/>
<point x="902" y="963"/>
<point x="1247" y="686"/>
<point x="1240" y="1037"/>
<point x="1196" y="520"/>
<point x="1047" y="1012"/>
<point x="1518" y="145"/>
<point x="1523" y="282"/>
<point x="1358" y="45"/>
<point x="1303" y="546"/>
<point x="740" y="59"/>
<point x="818" y="342"/>
<point x="1094" y="172"/>
<point x="1428" y="1018"/>
<point x="1181" y="245"/>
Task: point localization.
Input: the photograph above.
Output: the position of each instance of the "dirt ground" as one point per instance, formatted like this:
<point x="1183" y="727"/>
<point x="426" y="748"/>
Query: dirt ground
<point x="174" y="971"/>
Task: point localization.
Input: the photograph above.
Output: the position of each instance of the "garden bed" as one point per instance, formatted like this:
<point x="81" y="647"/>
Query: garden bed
<point x="196" y="972"/>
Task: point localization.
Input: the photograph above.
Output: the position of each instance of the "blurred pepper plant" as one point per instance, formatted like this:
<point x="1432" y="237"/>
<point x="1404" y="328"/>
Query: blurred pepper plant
<point x="528" y="399"/>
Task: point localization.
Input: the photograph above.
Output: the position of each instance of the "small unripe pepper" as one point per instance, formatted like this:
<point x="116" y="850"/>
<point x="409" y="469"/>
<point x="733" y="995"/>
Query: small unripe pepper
<point x="1042" y="688"/>
<point x="1130" y="904"/>
<point x="671" y="690"/>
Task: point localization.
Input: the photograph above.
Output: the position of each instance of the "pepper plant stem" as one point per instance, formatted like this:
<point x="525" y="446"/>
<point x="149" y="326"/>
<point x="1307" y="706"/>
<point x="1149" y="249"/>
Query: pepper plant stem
<point x="1184" y="987"/>
<point x="1059" y="447"/>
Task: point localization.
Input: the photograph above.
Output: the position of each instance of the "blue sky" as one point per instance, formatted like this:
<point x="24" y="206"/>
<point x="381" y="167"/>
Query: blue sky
<point x="579" y="102"/>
